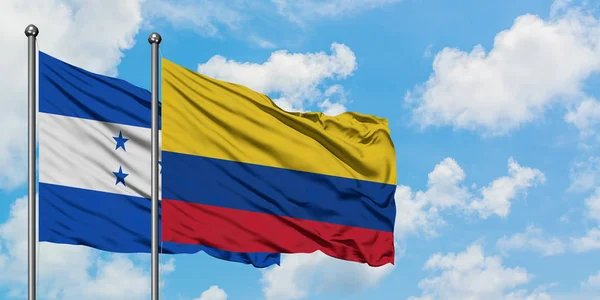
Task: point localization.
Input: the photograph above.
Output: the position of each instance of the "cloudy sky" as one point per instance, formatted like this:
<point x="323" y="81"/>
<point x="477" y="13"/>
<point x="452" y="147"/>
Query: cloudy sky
<point x="494" y="109"/>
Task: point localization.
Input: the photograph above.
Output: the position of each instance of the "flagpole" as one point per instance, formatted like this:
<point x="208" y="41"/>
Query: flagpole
<point x="31" y="32"/>
<point x="154" y="39"/>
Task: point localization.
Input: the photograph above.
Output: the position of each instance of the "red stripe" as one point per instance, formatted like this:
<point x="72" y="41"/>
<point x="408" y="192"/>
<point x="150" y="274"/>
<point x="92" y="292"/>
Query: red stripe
<point x="244" y="231"/>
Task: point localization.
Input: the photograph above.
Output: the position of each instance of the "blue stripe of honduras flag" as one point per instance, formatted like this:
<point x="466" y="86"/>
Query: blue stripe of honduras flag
<point x="94" y="165"/>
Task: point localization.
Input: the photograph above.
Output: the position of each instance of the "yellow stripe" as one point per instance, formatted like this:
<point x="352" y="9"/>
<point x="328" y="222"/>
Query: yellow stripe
<point x="206" y="117"/>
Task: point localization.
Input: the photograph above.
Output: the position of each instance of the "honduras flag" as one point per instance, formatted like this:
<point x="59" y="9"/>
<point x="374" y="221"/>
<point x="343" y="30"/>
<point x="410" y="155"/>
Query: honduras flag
<point x="95" y="165"/>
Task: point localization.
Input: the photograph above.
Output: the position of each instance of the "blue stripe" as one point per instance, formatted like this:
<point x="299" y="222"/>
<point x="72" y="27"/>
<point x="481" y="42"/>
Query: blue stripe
<point x="276" y="191"/>
<point x="71" y="91"/>
<point x="115" y="223"/>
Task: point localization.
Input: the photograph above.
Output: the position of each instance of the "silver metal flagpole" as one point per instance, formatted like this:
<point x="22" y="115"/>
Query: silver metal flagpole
<point x="31" y="32"/>
<point x="154" y="39"/>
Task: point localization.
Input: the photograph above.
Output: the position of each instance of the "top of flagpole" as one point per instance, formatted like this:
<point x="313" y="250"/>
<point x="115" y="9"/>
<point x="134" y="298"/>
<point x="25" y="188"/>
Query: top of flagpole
<point x="32" y="30"/>
<point x="154" y="38"/>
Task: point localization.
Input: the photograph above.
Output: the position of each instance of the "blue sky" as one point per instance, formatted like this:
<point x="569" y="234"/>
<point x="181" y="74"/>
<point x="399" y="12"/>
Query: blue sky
<point x="493" y="111"/>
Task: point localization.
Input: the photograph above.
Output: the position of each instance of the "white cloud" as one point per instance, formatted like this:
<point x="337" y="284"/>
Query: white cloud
<point x="589" y="242"/>
<point x="301" y="274"/>
<point x="213" y="293"/>
<point x="427" y="53"/>
<point x="117" y="278"/>
<point x="68" y="30"/>
<point x="333" y="104"/>
<point x="296" y="77"/>
<point x="593" y="282"/>
<point x="559" y="6"/>
<point x="585" y="116"/>
<point x="592" y="204"/>
<point x="301" y="11"/>
<point x="420" y="211"/>
<point x="84" y="273"/>
<point x="584" y="175"/>
<point x="472" y="275"/>
<point x="216" y="18"/>
<point x="168" y="266"/>
<point x="331" y="109"/>
<point x="261" y="42"/>
<point x="202" y="16"/>
<point x="532" y="239"/>
<point x="414" y="214"/>
<point x="533" y="65"/>
<point x="496" y="197"/>
<point x="524" y="295"/>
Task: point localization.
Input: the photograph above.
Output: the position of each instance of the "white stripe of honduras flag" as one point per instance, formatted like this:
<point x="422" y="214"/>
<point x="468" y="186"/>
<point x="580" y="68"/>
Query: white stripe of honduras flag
<point x="94" y="164"/>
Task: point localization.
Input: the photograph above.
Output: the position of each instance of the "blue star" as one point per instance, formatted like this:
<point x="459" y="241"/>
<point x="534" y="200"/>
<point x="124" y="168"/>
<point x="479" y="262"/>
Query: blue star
<point x="120" y="141"/>
<point x="120" y="176"/>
